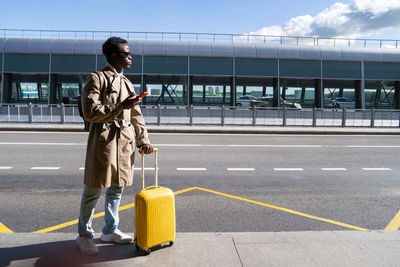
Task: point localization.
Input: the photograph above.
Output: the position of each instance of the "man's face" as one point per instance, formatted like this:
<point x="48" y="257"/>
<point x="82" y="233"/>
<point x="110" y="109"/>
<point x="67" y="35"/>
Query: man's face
<point x="122" y="59"/>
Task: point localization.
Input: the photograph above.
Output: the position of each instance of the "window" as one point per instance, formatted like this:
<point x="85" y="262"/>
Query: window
<point x="380" y="94"/>
<point x="338" y="88"/>
<point x="166" y="90"/>
<point x="299" y="91"/>
<point x="28" y="88"/>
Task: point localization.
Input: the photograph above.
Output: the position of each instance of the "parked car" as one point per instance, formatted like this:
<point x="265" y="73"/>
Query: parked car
<point x="341" y="102"/>
<point x="245" y="101"/>
<point x="268" y="101"/>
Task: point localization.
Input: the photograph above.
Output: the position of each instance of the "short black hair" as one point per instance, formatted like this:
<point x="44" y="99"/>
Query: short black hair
<point x="112" y="45"/>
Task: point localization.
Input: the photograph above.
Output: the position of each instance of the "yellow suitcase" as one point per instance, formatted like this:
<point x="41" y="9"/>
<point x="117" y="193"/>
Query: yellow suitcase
<point x="154" y="214"/>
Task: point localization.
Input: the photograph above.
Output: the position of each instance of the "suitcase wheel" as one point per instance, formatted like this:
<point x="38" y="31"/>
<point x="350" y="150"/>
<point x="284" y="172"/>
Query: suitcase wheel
<point x="171" y="243"/>
<point x="146" y="252"/>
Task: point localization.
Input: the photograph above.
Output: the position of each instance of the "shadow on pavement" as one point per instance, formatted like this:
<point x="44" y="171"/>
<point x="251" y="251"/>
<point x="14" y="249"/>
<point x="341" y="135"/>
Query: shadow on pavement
<point x="65" y="253"/>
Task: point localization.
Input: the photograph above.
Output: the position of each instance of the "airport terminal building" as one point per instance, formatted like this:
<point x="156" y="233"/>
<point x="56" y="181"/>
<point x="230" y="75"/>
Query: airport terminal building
<point x="206" y="72"/>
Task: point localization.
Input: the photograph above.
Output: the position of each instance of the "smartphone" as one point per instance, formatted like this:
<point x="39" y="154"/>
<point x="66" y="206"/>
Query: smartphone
<point x="142" y="95"/>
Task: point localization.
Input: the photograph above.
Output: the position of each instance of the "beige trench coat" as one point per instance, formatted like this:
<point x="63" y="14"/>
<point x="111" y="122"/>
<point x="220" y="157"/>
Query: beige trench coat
<point x="111" y="143"/>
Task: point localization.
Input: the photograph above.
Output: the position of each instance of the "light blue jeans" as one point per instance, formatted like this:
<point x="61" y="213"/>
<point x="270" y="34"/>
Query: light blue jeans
<point x="88" y="204"/>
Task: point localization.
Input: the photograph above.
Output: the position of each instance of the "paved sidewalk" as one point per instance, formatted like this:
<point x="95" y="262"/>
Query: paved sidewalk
<point x="330" y="248"/>
<point x="76" y="127"/>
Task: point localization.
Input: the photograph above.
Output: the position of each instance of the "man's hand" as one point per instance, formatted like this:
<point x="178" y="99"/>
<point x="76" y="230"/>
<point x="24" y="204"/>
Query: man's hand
<point x="131" y="101"/>
<point x="147" y="149"/>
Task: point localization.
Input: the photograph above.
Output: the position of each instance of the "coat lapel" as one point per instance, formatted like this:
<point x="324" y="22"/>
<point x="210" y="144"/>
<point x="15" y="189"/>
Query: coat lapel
<point x="129" y="86"/>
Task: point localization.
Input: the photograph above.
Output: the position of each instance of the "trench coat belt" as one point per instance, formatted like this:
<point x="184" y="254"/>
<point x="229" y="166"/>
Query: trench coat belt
<point x="122" y="123"/>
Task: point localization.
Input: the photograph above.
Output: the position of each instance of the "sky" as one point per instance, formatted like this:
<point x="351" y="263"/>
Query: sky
<point x="323" y="18"/>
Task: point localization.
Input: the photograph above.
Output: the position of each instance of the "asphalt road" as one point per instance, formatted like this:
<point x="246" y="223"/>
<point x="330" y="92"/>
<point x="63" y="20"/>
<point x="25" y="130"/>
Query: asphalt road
<point x="269" y="182"/>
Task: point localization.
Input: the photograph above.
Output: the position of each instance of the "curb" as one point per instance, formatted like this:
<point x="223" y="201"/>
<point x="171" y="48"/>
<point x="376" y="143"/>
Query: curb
<point x="206" y="129"/>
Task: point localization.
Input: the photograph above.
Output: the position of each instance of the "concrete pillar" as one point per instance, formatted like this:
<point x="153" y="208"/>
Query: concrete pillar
<point x="143" y="85"/>
<point x="284" y="92"/>
<point x="276" y="92"/>
<point x="204" y="94"/>
<point x="318" y="93"/>
<point x="7" y="87"/>
<point x="377" y="97"/>
<point x="303" y="95"/>
<point x="359" y="95"/>
<point x="397" y="95"/>
<point x="224" y="94"/>
<point x="190" y="91"/>
<point x="233" y="92"/>
<point x="53" y="89"/>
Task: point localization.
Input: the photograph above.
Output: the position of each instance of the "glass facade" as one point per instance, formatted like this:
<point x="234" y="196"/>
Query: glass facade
<point x="20" y="88"/>
<point x="299" y="91"/>
<point x="300" y="68"/>
<point x="382" y="70"/>
<point x="68" y="87"/>
<point x="205" y="80"/>
<point x="256" y="67"/>
<point x="381" y="94"/>
<point x="248" y="89"/>
<point x="31" y="63"/>
<point x="165" y="65"/>
<point x="211" y="91"/>
<point x="73" y="63"/>
<point x="339" y="88"/>
<point x="341" y="69"/>
<point x="211" y="66"/>
<point x="166" y="90"/>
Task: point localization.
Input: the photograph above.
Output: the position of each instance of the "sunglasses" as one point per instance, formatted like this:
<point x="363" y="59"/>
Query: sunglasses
<point x="125" y="54"/>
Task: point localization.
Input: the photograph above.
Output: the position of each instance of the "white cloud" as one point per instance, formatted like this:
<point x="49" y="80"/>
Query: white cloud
<point x="358" y="19"/>
<point x="298" y="24"/>
<point x="376" y="7"/>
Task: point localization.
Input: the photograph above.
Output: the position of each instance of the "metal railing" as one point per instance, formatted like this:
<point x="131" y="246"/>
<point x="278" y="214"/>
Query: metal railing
<point x="198" y="37"/>
<point x="214" y="115"/>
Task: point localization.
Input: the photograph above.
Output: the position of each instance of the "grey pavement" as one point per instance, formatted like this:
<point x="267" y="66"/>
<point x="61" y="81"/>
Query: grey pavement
<point x="330" y="248"/>
<point x="302" y="248"/>
<point x="77" y="127"/>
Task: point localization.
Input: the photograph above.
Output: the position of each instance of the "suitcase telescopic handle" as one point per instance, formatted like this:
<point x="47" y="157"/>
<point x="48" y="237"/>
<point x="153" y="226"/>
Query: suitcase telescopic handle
<point x="155" y="168"/>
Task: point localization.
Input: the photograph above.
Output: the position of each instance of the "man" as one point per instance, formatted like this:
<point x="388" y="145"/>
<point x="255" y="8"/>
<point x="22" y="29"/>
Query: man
<point x="115" y="120"/>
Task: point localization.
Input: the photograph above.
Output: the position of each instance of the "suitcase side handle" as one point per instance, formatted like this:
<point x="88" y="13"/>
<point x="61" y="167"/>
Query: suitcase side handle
<point x="155" y="169"/>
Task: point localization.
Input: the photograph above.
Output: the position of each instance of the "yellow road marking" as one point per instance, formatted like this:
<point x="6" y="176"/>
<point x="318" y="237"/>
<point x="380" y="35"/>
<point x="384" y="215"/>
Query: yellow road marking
<point x="285" y="210"/>
<point x="97" y="215"/>
<point x="56" y="227"/>
<point x="184" y="190"/>
<point x="394" y="223"/>
<point x="4" y="229"/>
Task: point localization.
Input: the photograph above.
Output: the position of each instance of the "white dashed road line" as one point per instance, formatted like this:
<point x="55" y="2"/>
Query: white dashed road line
<point x="376" y="169"/>
<point x="205" y="169"/>
<point x="216" y="145"/>
<point x="240" y="169"/>
<point x="42" y="144"/>
<point x="191" y="169"/>
<point x="45" y="168"/>
<point x="136" y="169"/>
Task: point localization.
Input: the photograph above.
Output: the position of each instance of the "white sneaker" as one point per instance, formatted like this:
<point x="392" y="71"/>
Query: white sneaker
<point x="86" y="245"/>
<point x="117" y="237"/>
